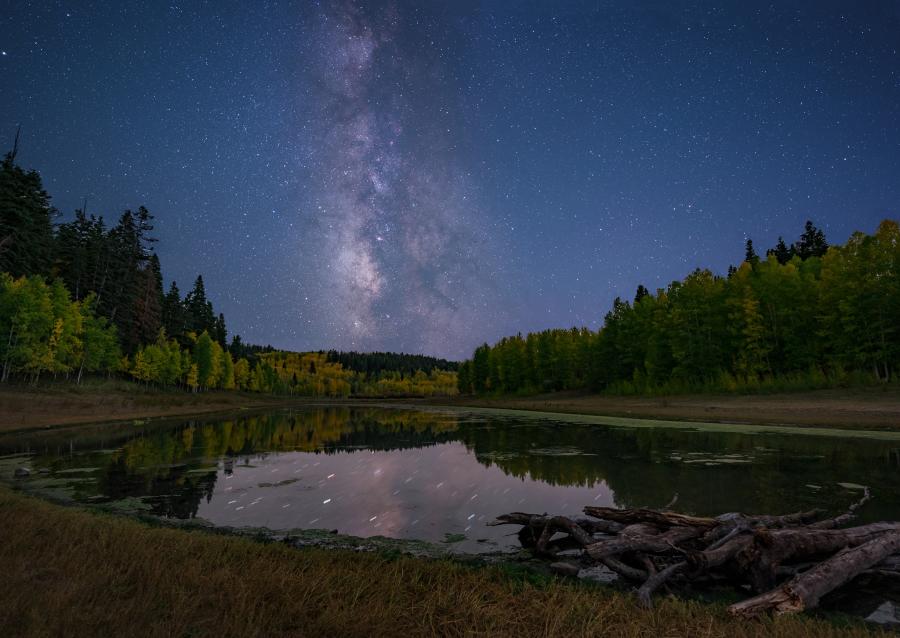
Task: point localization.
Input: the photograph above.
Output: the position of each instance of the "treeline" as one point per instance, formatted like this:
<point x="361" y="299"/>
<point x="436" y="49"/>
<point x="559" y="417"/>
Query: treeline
<point x="808" y="315"/>
<point x="377" y="363"/>
<point x="83" y="297"/>
<point x="103" y="280"/>
<point x="322" y="374"/>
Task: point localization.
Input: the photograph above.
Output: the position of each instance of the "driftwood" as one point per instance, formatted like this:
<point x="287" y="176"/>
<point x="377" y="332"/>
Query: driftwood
<point x="790" y="562"/>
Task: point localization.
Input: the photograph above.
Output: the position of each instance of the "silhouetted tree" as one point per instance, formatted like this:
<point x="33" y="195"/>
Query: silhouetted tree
<point x="781" y="251"/>
<point x="640" y="294"/>
<point x="26" y="220"/>
<point x="812" y="242"/>
<point x="750" y="255"/>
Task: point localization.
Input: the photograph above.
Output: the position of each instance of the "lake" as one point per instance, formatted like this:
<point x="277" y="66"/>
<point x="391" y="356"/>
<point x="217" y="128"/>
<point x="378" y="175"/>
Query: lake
<point x="429" y="473"/>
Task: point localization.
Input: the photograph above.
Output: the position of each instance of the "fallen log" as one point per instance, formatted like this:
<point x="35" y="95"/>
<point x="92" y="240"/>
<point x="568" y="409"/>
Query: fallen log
<point x="642" y="541"/>
<point x="789" y="560"/>
<point x="805" y="590"/>
<point x="662" y="519"/>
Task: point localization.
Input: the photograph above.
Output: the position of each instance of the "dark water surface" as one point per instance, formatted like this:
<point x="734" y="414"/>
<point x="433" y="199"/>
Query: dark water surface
<point x="419" y="474"/>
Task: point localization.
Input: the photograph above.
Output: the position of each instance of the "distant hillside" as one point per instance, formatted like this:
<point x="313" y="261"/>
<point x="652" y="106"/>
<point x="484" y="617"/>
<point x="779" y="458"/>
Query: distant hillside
<point x="377" y="362"/>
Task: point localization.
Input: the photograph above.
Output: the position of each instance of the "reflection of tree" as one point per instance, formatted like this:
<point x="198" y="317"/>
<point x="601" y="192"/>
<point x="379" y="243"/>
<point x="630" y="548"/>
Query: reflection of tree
<point x="645" y="467"/>
<point x="172" y="491"/>
<point x="177" y="466"/>
<point x="166" y="467"/>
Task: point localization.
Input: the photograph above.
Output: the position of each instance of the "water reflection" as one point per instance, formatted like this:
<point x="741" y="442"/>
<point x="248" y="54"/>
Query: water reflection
<point x="426" y="474"/>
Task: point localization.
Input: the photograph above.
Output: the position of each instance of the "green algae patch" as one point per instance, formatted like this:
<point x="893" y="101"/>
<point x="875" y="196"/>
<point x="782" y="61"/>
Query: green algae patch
<point x="626" y="422"/>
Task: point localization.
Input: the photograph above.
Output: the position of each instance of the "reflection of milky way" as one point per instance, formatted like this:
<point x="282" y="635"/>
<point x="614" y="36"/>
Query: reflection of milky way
<point x="398" y="242"/>
<point x="421" y="493"/>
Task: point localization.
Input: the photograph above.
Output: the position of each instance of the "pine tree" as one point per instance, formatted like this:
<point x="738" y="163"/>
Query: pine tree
<point x="198" y="310"/>
<point x="750" y="255"/>
<point x="640" y="294"/>
<point x="812" y="242"/>
<point x="220" y="334"/>
<point x="173" y="313"/>
<point x="781" y="251"/>
<point x="481" y="368"/>
<point x="26" y="220"/>
<point x="148" y="302"/>
<point x="129" y="255"/>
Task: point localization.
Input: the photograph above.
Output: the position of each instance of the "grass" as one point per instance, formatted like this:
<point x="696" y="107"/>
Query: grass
<point x="74" y="572"/>
<point x="94" y="400"/>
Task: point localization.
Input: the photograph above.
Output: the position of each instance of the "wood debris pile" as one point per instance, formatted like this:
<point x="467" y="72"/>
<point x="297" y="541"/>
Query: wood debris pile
<point x="788" y="563"/>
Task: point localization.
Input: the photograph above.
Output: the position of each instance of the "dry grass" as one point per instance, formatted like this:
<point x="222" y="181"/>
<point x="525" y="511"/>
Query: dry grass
<point x="24" y="407"/>
<point x="70" y="572"/>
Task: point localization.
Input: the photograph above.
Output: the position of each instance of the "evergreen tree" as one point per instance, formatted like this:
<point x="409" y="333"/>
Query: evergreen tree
<point x="220" y="334"/>
<point x="781" y="251"/>
<point x="481" y="368"/>
<point x="750" y="255"/>
<point x="173" y="313"/>
<point x="148" y="302"/>
<point x="26" y="220"/>
<point x="127" y="285"/>
<point x="812" y="242"/>
<point x="463" y="379"/>
<point x="640" y="294"/>
<point x="198" y="310"/>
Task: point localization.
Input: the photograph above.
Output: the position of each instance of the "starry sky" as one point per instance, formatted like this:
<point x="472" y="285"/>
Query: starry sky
<point x="424" y="176"/>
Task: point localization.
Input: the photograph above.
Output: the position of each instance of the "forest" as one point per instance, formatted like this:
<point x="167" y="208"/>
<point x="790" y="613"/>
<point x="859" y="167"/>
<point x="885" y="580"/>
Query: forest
<point x="387" y="362"/>
<point x="85" y="297"/>
<point x="805" y="316"/>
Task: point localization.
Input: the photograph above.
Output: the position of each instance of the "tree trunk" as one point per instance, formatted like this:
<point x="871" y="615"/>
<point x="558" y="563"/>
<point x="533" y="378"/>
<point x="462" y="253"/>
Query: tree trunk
<point x="805" y="590"/>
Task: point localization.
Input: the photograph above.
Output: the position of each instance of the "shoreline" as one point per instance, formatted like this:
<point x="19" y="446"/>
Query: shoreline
<point x="870" y="408"/>
<point x="209" y="584"/>
<point x="23" y="408"/>
<point x="875" y="409"/>
<point x="385" y="582"/>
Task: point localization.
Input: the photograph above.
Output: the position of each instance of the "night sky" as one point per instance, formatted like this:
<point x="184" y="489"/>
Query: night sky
<point x="423" y="176"/>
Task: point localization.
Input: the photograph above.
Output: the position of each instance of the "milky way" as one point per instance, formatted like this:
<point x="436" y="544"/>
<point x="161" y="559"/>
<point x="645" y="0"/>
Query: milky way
<point x="403" y="253"/>
<point x="426" y="175"/>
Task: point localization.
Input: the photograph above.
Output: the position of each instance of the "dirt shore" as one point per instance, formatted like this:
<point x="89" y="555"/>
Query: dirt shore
<point x="863" y="408"/>
<point x="25" y="407"/>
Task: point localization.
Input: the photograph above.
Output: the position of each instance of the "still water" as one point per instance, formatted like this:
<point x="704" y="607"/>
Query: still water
<point x="440" y="475"/>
